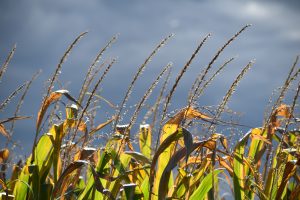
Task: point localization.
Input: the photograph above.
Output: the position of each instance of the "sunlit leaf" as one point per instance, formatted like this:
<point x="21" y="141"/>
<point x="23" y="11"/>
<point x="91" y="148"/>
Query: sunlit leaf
<point x="53" y="97"/>
<point x="22" y="187"/>
<point x="205" y="185"/>
<point x="145" y="137"/>
<point x="178" y="155"/>
<point x="100" y="126"/>
<point x="162" y="147"/>
<point x="225" y="164"/>
<point x="238" y="167"/>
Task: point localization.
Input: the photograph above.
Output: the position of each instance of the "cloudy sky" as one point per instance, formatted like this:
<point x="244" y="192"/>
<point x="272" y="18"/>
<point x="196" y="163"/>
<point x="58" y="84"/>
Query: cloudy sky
<point x="42" y="31"/>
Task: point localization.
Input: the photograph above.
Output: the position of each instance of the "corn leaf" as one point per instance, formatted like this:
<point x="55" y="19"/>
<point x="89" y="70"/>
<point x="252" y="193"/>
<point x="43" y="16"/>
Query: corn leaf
<point x="138" y="157"/>
<point x="22" y="186"/>
<point x="205" y="185"/>
<point x="289" y="171"/>
<point x="100" y="126"/>
<point x="238" y="168"/>
<point x="145" y="137"/>
<point x="181" y="153"/>
<point x="73" y="166"/>
<point x="162" y="147"/>
<point x="188" y="142"/>
<point x="53" y="97"/>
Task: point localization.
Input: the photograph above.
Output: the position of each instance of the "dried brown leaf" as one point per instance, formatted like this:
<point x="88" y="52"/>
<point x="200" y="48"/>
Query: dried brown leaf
<point x="100" y="126"/>
<point x="53" y="97"/>
<point x="3" y="131"/>
<point x="4" y="154"/>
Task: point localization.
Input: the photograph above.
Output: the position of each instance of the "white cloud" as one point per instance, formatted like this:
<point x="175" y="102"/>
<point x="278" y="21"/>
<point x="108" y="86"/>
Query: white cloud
<point x="256" y="10"/>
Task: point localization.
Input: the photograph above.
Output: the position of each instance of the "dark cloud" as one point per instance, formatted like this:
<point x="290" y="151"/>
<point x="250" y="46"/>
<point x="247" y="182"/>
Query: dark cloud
<point x="43" y="30"/>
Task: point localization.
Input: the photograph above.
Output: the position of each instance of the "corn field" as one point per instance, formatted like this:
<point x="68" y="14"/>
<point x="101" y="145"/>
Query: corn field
<point x="165" y="159"/>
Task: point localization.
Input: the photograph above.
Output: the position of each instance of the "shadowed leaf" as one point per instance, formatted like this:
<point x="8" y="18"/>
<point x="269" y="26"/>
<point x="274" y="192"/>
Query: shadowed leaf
<point x="188" y="142"/>
<point x="138" y="156"/>
<point x="290" y="169"/>
<point x="73" y="166"/>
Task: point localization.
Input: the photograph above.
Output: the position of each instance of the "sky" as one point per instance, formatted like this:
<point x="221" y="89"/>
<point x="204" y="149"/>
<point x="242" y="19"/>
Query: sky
<point x="43" y="30"/>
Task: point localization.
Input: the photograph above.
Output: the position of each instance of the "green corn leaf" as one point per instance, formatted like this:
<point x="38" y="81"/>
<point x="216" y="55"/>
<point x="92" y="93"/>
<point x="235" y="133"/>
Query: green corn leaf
<point x="239" y="168"/>
<point x="22" y="187"/>
<point x="145" y="137"/>
<point x="145" y="188"/>
<point x="205" y="185"/>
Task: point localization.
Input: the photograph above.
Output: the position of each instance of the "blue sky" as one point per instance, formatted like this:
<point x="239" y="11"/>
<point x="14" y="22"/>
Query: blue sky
<point x="42" y="31"/>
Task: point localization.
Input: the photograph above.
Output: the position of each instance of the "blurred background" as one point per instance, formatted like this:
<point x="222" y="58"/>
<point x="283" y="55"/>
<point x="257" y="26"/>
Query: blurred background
<point x="43" y="30"/>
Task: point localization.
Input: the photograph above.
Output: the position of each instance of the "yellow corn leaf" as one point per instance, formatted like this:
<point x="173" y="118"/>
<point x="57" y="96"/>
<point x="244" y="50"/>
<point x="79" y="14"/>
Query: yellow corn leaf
<point x="257" y="146"/>
<point x="179" y="155"/>
<point x="145" y="140"/>
<point x="170" y="127"/>
<point x="198" y="173"/>
<point x="239" y="167"/>
<point x="22" y="189"/>
<point x="163" y="155"/>
<point x="261" y="138"/>
<point x="186" y="113"/>
<point x="226" y="165"/>
<point x="71" y="123"/>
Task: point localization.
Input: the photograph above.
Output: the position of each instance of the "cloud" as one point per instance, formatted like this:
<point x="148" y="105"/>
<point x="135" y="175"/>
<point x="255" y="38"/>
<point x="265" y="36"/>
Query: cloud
<point x="43" y="30"/>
